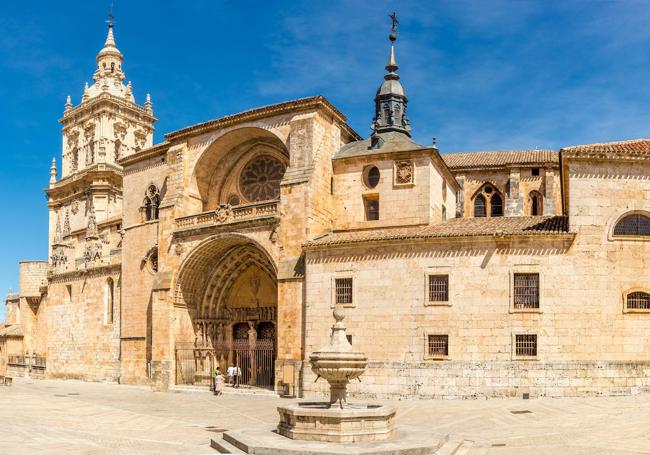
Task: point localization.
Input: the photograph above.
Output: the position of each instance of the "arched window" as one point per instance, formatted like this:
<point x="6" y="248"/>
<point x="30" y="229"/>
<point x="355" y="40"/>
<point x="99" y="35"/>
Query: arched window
<point x="637" y="300"/>
<point x="479" y="207"/>
<point x="633" y="225"/>
<point x="151" y="203"/>
<point x="496" y="205"/>
<point x="536" y="203"/>
<point x="488" y="202"/>
<point x="109" y="300"/>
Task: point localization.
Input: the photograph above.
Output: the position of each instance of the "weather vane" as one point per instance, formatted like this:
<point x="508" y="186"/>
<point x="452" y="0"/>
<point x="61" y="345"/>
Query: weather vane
<point x="393" y="27"/>
<point x="110" y="18"/>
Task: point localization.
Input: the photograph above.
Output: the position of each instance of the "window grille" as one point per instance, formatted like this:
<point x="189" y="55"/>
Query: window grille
<point x="638" y="301"/>
<point x="635" y="224"/>
<point x="479" y="206"/>
<point x="343" y="291"/>
<point x="526" y="290"/>
<point x="526" y="345"/>
<point x="438" y="345"/>
<point x="438" y="288"/>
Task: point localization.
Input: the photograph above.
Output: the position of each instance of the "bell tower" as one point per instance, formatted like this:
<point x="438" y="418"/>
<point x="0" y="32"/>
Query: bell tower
<point x="85" y="203"/>
<point x="107" y="124"/>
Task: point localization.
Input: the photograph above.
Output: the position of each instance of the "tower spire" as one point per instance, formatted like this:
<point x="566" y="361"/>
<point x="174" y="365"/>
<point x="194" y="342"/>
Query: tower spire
<point x="391" y="99"/>
<point x="53" y="172"/>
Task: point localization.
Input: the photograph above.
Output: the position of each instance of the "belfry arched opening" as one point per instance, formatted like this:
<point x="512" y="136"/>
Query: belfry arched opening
<point x="229" y="287"/>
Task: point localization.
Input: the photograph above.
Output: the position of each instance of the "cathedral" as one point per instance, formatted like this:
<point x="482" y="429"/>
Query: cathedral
<point x="480" y="274"/>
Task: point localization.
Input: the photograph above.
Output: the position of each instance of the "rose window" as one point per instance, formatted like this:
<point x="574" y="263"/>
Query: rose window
<point x="260" y="179"/>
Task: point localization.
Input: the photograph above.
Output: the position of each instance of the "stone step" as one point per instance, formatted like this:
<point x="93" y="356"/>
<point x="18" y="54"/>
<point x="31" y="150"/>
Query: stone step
<point x="239" y="440"/>
<point x="223" y="446"/>
<point x="454" y="446"/>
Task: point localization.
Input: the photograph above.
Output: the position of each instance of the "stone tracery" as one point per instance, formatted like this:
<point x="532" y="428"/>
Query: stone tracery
<point x="260" y="178"/>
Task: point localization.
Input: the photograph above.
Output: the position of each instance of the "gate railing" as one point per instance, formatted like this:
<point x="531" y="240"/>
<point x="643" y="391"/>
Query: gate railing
<point x="194" y="366"/>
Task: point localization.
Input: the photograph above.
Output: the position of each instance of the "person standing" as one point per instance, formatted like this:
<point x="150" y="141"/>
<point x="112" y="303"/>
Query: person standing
<point x="231" y="374"/>
<point x="215" y="372"/>
<point x="237" y="376"/>
<point x="218" y="383"/>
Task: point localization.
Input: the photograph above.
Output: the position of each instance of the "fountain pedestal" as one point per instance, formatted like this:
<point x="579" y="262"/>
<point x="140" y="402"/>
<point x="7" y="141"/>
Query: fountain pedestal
<point x="336" y="420"/>
<point x="354" y="423"/>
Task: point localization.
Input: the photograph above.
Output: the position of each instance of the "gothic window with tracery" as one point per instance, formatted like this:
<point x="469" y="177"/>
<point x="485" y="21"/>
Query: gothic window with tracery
<point x="488" y="202"/>
<point x="260" y="178"/>
<point x="151" y="203"/>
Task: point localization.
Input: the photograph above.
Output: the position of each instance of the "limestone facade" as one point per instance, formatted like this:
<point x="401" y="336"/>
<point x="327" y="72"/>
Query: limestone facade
<point x="230" y="242"/>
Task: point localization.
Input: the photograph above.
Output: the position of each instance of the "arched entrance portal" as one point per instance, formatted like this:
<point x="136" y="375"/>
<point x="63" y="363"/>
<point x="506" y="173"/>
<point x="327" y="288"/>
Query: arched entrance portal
<point x="230" y="289"/>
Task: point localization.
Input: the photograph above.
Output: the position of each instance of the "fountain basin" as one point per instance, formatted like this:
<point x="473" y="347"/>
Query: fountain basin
<point x="356" y="422"/>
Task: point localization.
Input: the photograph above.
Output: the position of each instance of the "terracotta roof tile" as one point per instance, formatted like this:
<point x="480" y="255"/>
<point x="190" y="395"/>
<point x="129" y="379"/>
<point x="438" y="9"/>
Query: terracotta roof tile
<point x="499" y="159"/>
<point x="454" y="228"/>
<point x="632" y="147"/>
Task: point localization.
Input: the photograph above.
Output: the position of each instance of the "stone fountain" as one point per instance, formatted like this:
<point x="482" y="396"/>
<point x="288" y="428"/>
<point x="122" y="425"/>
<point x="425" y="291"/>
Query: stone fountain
<point x="337" y="420"/>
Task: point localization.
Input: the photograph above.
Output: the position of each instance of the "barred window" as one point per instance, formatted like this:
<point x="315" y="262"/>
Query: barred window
<point x="526" y="345"/>
<point x="526" y="290"/>
<point x="343" y="291"/>
<point x="638" y="301"/>
<point x="438" y="288"/>
<point x="438" y="345"/>
<point x="635" y="224"/>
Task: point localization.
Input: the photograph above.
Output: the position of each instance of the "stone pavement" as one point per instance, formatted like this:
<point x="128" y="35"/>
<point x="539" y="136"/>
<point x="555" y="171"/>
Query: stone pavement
<point x="72" y="417"/>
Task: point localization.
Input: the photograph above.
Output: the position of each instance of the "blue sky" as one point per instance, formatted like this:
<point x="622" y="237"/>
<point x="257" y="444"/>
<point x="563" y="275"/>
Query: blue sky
<point x="481" y="75"/>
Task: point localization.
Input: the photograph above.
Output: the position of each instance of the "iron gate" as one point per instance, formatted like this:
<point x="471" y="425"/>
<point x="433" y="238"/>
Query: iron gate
<point x="194" y="366"/>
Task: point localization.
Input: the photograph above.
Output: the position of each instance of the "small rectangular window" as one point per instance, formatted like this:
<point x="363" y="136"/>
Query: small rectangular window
<point x="535" y="171"/>
<point x="526" y="290"/>
<point x="68" y="289"/>
<point x="372" y="208"/>
<point x="349" y="337"/>
<point x="438" y="345"/>
<point x="343" y="291"/>
<point x="526" y="345"/>
<point x="438" y="288"/>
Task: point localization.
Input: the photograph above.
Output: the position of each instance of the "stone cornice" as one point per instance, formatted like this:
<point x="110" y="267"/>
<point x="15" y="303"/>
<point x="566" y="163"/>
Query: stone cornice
<point x="155" y="151"/>
<point x="602" y="156"/>
<point x="476" y="168"/>
<point x="314" y="102"/>
<point x="460" y="239"/>
<point x="86" y="177"/>
<point x="104" y="99"/>
<point x="81" y="274"/>
<point x="233" y="226"/>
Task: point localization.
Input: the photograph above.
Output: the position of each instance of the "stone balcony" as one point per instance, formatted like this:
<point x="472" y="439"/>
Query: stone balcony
<point x="256" y="213"/>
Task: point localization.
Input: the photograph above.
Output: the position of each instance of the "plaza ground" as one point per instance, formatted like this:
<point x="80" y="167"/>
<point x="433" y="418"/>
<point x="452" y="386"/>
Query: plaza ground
<point x="72" y="417"/>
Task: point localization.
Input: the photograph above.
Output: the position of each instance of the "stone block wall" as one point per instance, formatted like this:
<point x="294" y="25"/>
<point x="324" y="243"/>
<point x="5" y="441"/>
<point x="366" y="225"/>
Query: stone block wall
<point x="579" y="323"/>
<point x="81" y="342"/>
